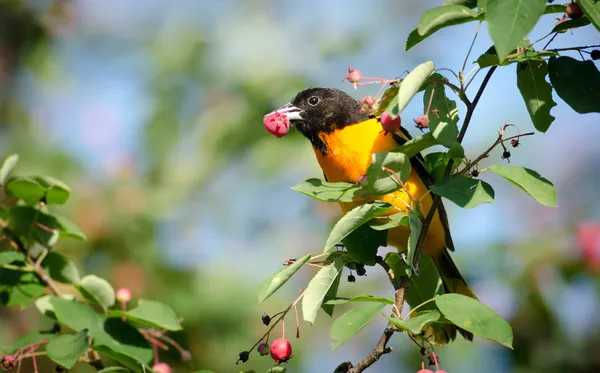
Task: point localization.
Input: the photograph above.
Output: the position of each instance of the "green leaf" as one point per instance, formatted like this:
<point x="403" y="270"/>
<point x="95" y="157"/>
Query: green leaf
<point x="464" y="191"/>
<point x="118" y="340"/>
<point x="318" y="288"/>
<point x="97" y="290"/>
<point x="360" y="298"/>
<point x="443" y="114"/>
<point x="380" y="180"/>
<point x="115" y="370"/>
<point x="276" y="281"/>
<point x="28" y="339"/>
<point x="425" y="286"/>
<point x="510" y="21"/>
<point x="123" y="359"/>
<point x="591" y="8"/>
<point x="354" y="219"/>
<point x="19" y="288"/>
<point x="571" y="24"/>
<point x="555" y="8"/>
<point x="350" y="323"/>
<point x="331" y="293"/>
<point x="530" y="181"/>
<point x="452" y="16"/>
<point x="416" y="145"/>
<point x="490" y="58"/>
<point x="33" y="189"/>
<point x="330" y="192"/>
<point x="35" y="226"/>
<point x="7" y="166"/>
<point x="387" y="99"/>
<point x="475" y="317"/>
<point x="61" y="268"/>
<point x="577" y="83"/>
<point x="45" y="307"/>
<point x="410" y="86"/>
<point x="468" y="3"/>
<point x="416" y="324"/>
<point x="536" y="92"/>
<point x="277" y="370"/>
<point x="363" y="242"/>
<point x="391" y="221"/>
<point x="436" y="163"/>
<point x="153" y="313"/>
<point x="7" y="257"/>
<point x="66" y="349"/>
<point x="68" y="229"/>
<point x="413" y="239"/>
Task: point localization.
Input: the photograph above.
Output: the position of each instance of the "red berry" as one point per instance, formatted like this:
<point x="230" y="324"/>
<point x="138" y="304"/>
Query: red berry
<point x="161" y="368"/>
<point x="440" y="371"/>
<point x="574" y="10"/>
<point x="123" y="295"/>
<point x="424" y="371"/>
<point x="263" y="349"/>
<point x="588" y="238"/>
<point x="388" y="124"/>
<point x="8" y="362"/>
<point x="281" y="350"/>
<point x="277" y="124"/>
<point x="353" y="75"/>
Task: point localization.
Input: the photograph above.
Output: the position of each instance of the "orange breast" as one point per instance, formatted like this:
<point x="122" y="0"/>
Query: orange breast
<point x="349" y="156"/>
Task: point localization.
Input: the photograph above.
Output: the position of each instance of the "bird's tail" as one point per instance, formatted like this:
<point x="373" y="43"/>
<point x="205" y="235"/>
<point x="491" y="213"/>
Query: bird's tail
<point x="453" y="282"/>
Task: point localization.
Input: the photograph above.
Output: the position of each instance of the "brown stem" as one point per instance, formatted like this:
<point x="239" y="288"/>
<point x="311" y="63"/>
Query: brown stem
<point x="401" y="285"/>
<point x="437" y="198"/>
<point x="39" y="270"/>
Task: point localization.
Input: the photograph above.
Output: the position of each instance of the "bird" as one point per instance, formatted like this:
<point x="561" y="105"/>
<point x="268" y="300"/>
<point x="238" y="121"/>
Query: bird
<point x="343" y="138"/>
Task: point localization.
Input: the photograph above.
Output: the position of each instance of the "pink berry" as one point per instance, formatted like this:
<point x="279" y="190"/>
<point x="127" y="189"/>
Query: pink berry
<point x="123" y="295"/>
<point x="352" y="76"/>
<point x="440" y="371"/>
<point x="424" y="371"/>
<point x="263" y="349"/>
<point x="281" y="350"/>
<point x="422" y="121"/>
<point x="277" y="124"/>
<point x="161" y="368"/>
<point x="8" y="362"/>
<point x="388" y="124"/>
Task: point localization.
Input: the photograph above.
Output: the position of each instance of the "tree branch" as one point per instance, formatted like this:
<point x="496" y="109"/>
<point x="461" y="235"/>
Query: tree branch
<point x="401" y="285"/>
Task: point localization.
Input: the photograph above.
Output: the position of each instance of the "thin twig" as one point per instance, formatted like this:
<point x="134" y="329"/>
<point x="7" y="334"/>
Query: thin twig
<point x="464" y="65"/>
<point x="437" y="198"/>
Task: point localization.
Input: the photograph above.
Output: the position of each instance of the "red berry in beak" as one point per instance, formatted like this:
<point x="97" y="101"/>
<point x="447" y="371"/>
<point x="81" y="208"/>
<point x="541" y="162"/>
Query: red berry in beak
<point x="388" y="124"/>
<point x="281" y="350"/>
<point x="277" y="124"/>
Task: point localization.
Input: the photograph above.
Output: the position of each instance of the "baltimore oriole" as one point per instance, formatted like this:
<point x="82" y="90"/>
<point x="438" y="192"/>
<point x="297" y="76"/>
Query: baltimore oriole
<point x="343" y="139"/>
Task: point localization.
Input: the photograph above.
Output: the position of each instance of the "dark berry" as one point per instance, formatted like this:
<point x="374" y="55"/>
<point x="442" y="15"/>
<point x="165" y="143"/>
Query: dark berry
<point x="475" y="173"/>
<point x="244" y="356"/>
<point x="360" y="269"/>
<point x="343" y="367"/>
<point x="266" y="319"/>
<point x="351" y="278"/>
<point x="506" y="154"/>
<point x="574" y="10"/>
<point x="595" y="54"/>
<point x="515" y="143"/>
<point x="263" y="349"/>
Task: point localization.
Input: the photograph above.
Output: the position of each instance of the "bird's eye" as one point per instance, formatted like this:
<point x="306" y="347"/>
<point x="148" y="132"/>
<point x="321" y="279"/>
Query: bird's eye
<point x="313" y="101"/>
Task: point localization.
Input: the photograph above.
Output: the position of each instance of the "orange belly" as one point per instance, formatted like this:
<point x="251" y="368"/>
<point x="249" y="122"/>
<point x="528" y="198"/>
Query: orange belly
<point x="349" y="156"/>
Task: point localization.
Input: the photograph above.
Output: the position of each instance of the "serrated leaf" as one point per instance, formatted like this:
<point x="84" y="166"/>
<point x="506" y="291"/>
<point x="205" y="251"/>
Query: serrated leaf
<point x="464" y="191"/>
<point x="528" y="180"/>
<point x="591" y="8"/>
<point x="7" y="257"/>
<point x="358" y="299"/>
<point x="413" y="239"/>
<point x="331" y="293"/>
<point x="380" y="180"/>
<point x="61" y="268"/>
<point x="330" y="192"/>
<point x="536" y="92"/>
<point x="354" y="219"/>
<point x="363" y="242"/>
<point x="66" y="349"/>
<point x="410" y="86"/>
<point x="153" y="313"/>
<point x="276" y="281"/>
<point x="443" y="114"/>
<point x="451" y="19"/>
<point x="390" y="221"/>
<point x="509" y="21"/>
<point x="97" y="290"/>
<point x="416" y="145"/>
<point x="350" y="323"/>
<point x="318" y="288"/>
<point x="475" y="317"/>
<point x="7" y="166"/>
<point x="118" y="340"/>
<point x="576" y="82"/>
<point x="416" y="324"/>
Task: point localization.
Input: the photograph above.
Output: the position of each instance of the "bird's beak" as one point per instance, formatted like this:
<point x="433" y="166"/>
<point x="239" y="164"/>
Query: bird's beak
<point x="290" y="111"/>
